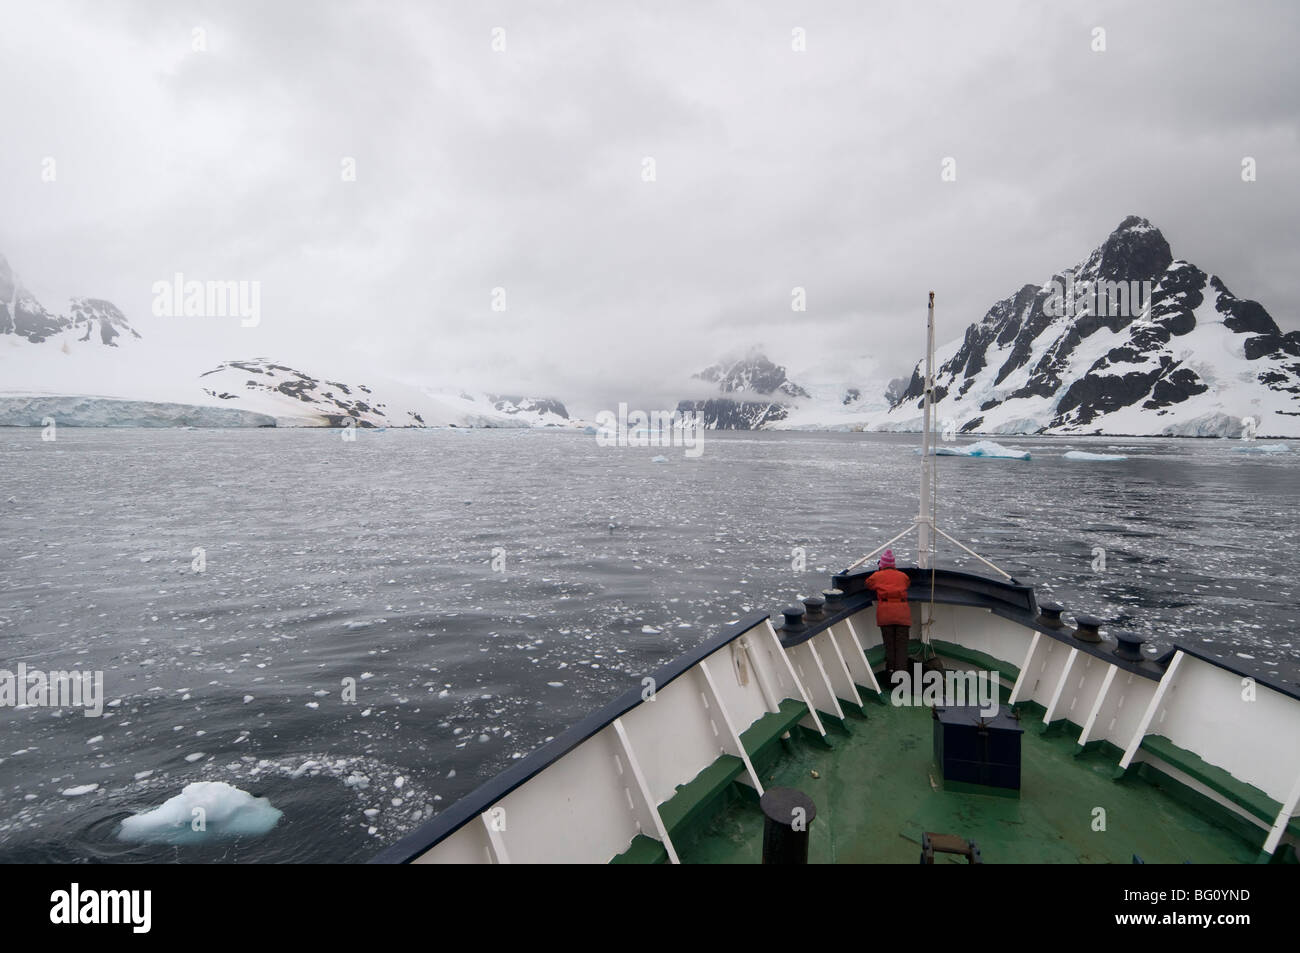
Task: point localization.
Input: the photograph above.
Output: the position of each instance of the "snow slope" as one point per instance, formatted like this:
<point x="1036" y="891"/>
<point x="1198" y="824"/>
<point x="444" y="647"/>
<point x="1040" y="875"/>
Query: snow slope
<point x="91" y="368"/>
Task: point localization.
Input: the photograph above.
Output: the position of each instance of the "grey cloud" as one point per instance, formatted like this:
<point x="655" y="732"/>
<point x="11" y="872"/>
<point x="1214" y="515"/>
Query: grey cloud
<point x="522" y="170"/>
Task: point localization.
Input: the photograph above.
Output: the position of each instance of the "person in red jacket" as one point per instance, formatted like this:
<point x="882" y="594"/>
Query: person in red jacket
<point x="893" y="614"/>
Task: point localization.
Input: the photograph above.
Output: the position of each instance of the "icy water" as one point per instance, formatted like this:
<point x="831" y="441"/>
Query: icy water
<point x="485" y="589"/>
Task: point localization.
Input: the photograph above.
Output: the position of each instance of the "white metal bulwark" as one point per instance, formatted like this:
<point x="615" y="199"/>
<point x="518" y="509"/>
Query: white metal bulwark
<point x="1050" y="713"/>
<point x="1283" y="818"/>
<point x="1096" y="705"/>
<point x="1024" y="669"/>
<point x="794" y="678"/>
<point x="1156" y="700"/>
<point x="729" y="738"/>
<point x="645" y="801"/>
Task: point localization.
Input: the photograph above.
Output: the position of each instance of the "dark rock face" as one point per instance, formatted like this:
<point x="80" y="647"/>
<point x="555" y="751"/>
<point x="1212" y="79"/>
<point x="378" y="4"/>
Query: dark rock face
<point x="1165" y="379"/>
<point x="1096" y="339"/>
<point x="725" y="414"/>
<point x="1246" y="317"/>
<point x="33" y="322"/>
<point x="1100" y="394"/>
<point x="1134" y="251"/>
<point x="754" y="377"/>
<point x="1176" y="388"/>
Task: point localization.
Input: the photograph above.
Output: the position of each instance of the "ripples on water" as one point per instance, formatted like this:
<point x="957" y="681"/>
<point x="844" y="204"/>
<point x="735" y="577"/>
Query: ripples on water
<point x="373" y="560"/>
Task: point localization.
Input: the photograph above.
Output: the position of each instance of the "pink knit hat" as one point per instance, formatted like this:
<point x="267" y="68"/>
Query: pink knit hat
<point x="887" y="559"/>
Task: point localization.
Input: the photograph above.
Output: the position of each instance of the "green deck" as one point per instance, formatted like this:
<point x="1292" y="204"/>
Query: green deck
<point x="878" y="790"/>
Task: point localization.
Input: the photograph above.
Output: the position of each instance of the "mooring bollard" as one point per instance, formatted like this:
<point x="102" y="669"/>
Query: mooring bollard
<point x="787" y="815"/>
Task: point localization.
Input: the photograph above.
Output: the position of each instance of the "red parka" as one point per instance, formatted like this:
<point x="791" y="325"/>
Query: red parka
<point x="890" y="587"/>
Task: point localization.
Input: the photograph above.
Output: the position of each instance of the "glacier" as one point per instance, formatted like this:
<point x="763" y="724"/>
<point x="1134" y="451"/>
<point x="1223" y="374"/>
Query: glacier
<point x="36" y="410"/>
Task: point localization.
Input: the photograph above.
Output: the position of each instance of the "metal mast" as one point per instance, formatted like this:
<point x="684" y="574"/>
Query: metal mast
<point x="924" y="519"/>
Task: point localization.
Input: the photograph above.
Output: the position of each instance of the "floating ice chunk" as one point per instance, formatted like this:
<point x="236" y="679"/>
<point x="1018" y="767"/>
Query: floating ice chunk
<point x="79" y="790"/>
<point x="650" y="630"/>
<point x="1101" y="457"/>
<point x="982" y="448"/>
<point x="659" y="459"/>
<point x="224" y="811"/>
<point x="1263" y="448"/>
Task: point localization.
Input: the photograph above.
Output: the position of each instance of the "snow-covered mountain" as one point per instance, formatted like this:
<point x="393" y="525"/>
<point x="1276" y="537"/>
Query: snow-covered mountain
<point x="1129" y="341"/>
<point x="760" y="394"/>
<point x="832" y="393"/>
<point x="92" y="368"/>
<point x="295" y="398"/>
<point x="1094" y="351"/>
<point x="93" y="323"/>
<point x="538" y="411"/>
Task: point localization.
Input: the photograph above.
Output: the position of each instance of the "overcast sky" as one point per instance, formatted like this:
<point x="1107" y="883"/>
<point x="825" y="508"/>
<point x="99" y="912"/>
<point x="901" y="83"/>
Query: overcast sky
<point x="523" y="169"/>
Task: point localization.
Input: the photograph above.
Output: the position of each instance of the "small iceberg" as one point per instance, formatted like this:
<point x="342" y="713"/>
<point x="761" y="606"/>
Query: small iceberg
<point x="1263" y="448"/>
<point x="659" y="459"/>
<point x="590" y="431"/>
<point x="215" y="808"/>
<point x="1101" y="457"/>
<point x="983" y="448"/>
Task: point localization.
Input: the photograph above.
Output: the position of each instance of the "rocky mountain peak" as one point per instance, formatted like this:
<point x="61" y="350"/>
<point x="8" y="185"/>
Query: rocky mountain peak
<point x="1128" y="341"/>
<point x="753" y="374"/>
<point x="1135" y="251"/>
<point x="760" y="388"/>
